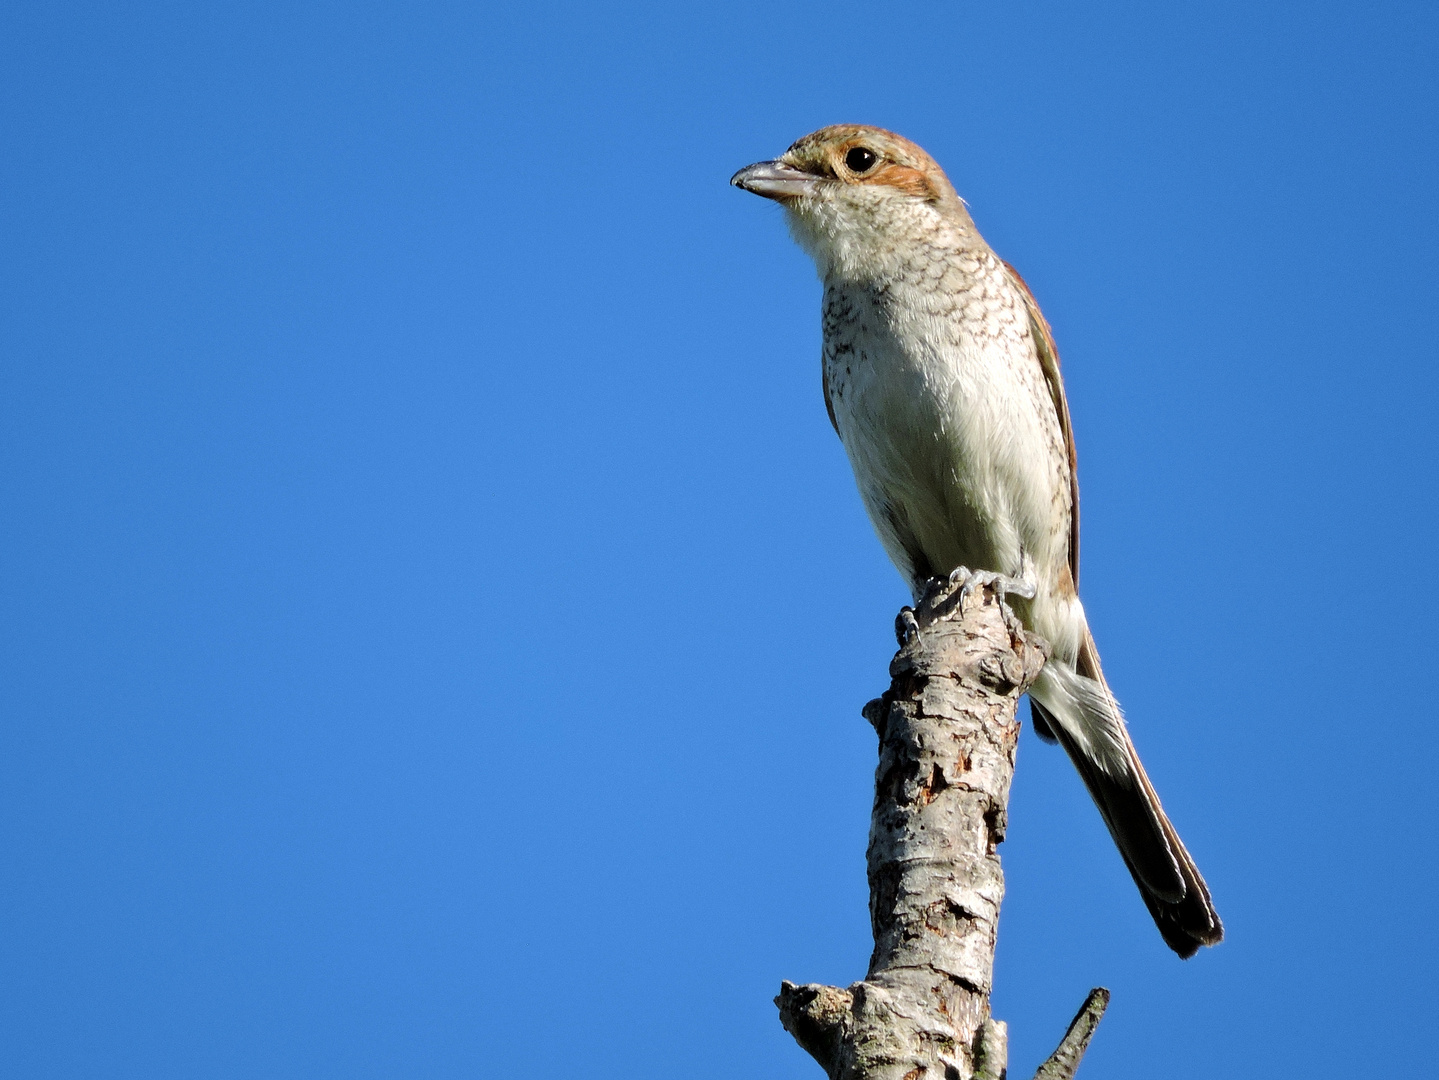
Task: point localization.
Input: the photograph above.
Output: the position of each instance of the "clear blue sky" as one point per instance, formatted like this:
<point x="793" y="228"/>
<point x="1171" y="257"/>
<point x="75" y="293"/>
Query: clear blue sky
<point x="436" y="610"/>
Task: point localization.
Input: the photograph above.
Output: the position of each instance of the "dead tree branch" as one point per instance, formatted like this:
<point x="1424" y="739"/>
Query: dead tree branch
<point x="1063" y="1063"/>
<point x="947" y="735"/>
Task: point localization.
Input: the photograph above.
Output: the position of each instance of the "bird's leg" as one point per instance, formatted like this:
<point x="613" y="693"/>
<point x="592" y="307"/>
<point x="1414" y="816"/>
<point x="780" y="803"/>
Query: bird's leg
<point x="971" y="581"/>
<point x="946" y="598"/>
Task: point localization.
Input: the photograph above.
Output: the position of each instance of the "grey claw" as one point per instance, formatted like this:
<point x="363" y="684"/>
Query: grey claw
<point x="906" y="626"/>
<point x="973" y="583"/>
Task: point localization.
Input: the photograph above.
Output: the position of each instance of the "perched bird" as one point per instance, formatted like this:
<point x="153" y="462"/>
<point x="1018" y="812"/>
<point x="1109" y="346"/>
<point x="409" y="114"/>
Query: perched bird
<point x="942" y="380"/>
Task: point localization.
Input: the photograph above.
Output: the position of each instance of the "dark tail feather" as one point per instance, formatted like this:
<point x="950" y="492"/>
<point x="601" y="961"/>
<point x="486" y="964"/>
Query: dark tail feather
<point x="1041" y="722"/>
<point x="1170" y="883"/>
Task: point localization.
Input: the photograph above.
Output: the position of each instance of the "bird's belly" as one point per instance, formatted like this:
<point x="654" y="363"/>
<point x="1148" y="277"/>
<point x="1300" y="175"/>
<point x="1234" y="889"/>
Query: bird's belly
<point x="921" y="479"/>
<point x="950" y="455"/>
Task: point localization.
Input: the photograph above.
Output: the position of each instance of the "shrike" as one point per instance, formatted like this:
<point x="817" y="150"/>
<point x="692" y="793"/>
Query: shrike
<point x="942" y="380"/>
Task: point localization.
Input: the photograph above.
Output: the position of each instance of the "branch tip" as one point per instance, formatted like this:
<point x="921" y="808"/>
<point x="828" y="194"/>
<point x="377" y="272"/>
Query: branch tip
<point x="1064" y="1062"/>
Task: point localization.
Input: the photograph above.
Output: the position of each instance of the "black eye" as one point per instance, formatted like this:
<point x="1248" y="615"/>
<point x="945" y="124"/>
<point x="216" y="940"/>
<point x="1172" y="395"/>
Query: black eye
<point x="860" y="159"/>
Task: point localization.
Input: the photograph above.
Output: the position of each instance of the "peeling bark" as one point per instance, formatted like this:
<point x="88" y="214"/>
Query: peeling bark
<point x="947" y="736"/>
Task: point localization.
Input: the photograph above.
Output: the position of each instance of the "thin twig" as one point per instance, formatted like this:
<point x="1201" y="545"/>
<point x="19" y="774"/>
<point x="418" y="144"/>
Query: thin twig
<point x="1064" y="1062"/>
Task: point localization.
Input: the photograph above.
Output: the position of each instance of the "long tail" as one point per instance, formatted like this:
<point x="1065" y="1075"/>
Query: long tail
<point x="1081" y="714"/>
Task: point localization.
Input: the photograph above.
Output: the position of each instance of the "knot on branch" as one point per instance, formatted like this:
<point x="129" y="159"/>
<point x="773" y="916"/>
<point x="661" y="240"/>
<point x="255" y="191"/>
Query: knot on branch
<point x="817" y="1016"/>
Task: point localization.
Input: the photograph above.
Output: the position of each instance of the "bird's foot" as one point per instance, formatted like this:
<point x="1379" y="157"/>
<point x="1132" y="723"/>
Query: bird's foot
<point x="966" y="583"/>
<point x="947" y="598"/>
<point x="963" y="583"/>
<point x="906" y="626"/>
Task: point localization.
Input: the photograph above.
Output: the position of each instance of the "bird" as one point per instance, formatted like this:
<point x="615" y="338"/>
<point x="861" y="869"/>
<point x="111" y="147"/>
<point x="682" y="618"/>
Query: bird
<point x="941" y="378"/>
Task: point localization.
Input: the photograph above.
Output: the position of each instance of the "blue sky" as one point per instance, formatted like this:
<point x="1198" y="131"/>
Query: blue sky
<point x="436" y="611"/>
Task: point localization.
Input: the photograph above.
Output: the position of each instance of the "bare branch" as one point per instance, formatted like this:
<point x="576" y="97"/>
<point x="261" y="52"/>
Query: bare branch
<point x="947" y="736"/>
<point x="1064" y="1062"/>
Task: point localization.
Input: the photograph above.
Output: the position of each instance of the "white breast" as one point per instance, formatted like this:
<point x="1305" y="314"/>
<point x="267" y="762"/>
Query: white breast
<point x="941" y="403"/>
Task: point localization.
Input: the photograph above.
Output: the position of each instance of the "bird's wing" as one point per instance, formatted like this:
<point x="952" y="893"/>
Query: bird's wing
<point x="828" y="402"/>
<point x="1049" y="361"/>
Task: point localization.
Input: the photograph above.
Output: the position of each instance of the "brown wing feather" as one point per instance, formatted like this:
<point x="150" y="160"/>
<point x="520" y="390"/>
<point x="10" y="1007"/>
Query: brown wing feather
<point x="1049" y="361"/>
<point x="828" y="403"/>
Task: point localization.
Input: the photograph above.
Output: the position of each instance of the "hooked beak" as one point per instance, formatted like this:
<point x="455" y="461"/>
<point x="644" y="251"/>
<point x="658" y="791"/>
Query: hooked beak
<point x="775" y="180"/>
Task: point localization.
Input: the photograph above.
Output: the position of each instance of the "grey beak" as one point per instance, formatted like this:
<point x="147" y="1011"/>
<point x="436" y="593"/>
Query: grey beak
<point x="774" y="180"/>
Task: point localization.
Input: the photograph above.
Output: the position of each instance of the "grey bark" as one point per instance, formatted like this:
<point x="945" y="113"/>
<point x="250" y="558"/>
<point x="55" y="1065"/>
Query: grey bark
<point x="947" y="736"/>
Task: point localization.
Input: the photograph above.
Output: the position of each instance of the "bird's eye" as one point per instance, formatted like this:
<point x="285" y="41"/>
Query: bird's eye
<point x="860" y="159"/>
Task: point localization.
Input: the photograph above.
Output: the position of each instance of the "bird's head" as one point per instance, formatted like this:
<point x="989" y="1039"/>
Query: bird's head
<point x="857" y="196"/>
